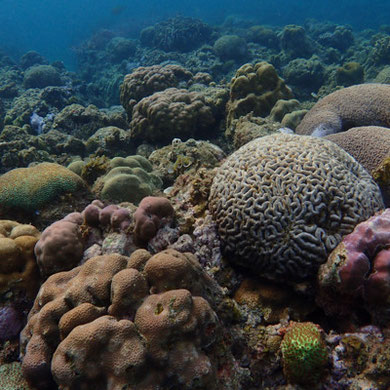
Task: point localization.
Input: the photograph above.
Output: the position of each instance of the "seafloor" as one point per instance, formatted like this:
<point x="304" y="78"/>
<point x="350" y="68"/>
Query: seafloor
<point x="203" y="207"/>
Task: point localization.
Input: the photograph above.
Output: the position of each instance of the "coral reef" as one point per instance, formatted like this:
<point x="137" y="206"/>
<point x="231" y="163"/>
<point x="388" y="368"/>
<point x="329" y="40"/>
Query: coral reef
<point x="146" y="80"/>
<point x="32" y="188"/>
<point x="65" y="243"/>
<point x="18" y="267"/>
<point x="176" y="34"/>
<point x="41" y="76"/>
<point x="304" y="353"/>
<point x="123" y="321"/>
<point x="172" y="113"/>
<point x="254" y="89"/>
<point x="128" y="180"/>
<point x="11" y="377"/>
<point x="231" y="47"/>
<point x="356" y="274"/>
<point x="152" y="214"/>
<point x="359" y="105"/>
<point x="283" y="202"/>
<point x="184" y="158"/>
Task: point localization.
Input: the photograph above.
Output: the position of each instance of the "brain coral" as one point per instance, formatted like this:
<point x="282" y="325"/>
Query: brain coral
<point x="254" y="88"/>
<point x="359" y="105"/>
<point x="283" y="202"/>
<point x="118" y="322"/>
<point x="171" y="113"/>
<point x="146" y="80"/>
<point x="31" y="188"/>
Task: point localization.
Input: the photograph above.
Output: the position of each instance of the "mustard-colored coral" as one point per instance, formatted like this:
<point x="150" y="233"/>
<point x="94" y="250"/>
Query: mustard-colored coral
<point x="31" y="188"/>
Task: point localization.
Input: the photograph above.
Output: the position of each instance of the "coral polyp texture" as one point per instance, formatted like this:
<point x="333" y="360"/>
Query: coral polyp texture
<point x="31" y="188"/>
<point x="357" y="273"/>
<point x="254" y="89"/>
<point x="283" y="202"/>
<point x="121" y="322"/>
<point x="18" y="267"/>
<point x="304" y="353"/>
<point x="359" y="105"/>
<point x="146" y="80"/>
<point x="172" y="113"/>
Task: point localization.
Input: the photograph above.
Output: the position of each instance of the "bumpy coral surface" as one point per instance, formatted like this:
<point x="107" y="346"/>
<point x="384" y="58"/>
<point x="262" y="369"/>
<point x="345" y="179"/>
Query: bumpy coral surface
<point x="146" y="80"/>
<point x="171" y="113"/>
<point x="304" y="353"/>
<point x="31" y="188"/>
<point x="359" y="105"/>
<point x="254" y="88"/>
<point x="129" y="180"/>
<point x="141" y="321"/>
<point x="18" y="268"/>
<point x="356" y="274"/>
<point x="11" y="377"/>
<point x="62" y="244"/>
<point x="283" y="202"/>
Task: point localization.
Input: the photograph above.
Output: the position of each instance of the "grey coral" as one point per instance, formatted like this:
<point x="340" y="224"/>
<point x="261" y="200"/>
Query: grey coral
<point x="283" y="202"/>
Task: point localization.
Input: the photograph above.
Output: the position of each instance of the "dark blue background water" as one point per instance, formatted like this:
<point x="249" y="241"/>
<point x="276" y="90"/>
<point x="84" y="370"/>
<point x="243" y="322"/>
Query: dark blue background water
<point x="53" y="27"/>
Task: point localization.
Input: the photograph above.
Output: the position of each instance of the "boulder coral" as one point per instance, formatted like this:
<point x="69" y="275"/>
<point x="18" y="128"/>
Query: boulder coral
<point x="115" y="322"/>
<point x="64" y="244"/>
<point x="152" y="214"/>
<point x="31" y="188"/>
<point x="146" y="80"/>
<point x="18" y="267"/>
<point x="283" y="202"/>
<point x="171" y="113"/>
<point x="254" y="89"/>
<point x="359" y="105"/>
<point x="356" y="274"/>
<point x="129" y="180"/>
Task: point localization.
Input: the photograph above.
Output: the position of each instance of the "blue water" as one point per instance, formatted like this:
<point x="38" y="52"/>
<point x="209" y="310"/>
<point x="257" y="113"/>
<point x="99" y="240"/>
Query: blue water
<point x="53" y="27"/>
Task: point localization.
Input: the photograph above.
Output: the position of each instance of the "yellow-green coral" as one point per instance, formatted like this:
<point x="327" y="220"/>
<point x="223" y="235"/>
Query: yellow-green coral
<point x="304" y="353"/>
<point x="31" y="188"/>
<point x="11" y="377"/>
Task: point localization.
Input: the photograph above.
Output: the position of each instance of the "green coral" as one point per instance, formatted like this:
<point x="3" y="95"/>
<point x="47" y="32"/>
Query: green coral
<point x="31" y="188"/>
<point x="304" y="353"/>
<point x="11" y="377"/>
<point x="129" y="180"/>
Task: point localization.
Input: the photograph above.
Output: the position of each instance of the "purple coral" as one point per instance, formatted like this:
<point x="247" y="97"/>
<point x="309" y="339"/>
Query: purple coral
<point x="10" y="323"/>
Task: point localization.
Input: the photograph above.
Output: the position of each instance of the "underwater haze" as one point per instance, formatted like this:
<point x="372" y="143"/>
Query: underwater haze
<point x="53" y="28"/>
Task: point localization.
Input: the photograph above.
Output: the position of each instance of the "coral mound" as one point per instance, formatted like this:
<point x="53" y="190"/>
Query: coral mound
<point x="304" y="353"/>
<point x="31" y="188"/>
<point x="359" y="105"/>
<point x="125" y="322"/>
<point x="283" y="202"/>
<point x="357" y="273"/>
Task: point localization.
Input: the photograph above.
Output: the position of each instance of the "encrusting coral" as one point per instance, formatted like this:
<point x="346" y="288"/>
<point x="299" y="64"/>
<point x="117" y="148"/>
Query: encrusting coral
<point x="283" y="202"/>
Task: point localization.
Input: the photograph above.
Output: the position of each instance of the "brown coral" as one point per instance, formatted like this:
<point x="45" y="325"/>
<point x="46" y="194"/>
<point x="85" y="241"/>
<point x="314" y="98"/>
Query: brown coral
<point x="254" y="88"/>
<point x="359" y="105"/>
<point x="108" y="325"/>
<point x="171" y="113"/>
<point x="18" y="268"/>
<point x="146" y="80"/>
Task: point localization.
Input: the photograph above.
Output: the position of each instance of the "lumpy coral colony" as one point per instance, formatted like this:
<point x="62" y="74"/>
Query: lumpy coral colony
<point x="224" y="228"/>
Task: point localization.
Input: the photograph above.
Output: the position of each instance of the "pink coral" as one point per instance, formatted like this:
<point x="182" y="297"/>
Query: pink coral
<point x="152" y="214"/>
<point x="358" y="271"/>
